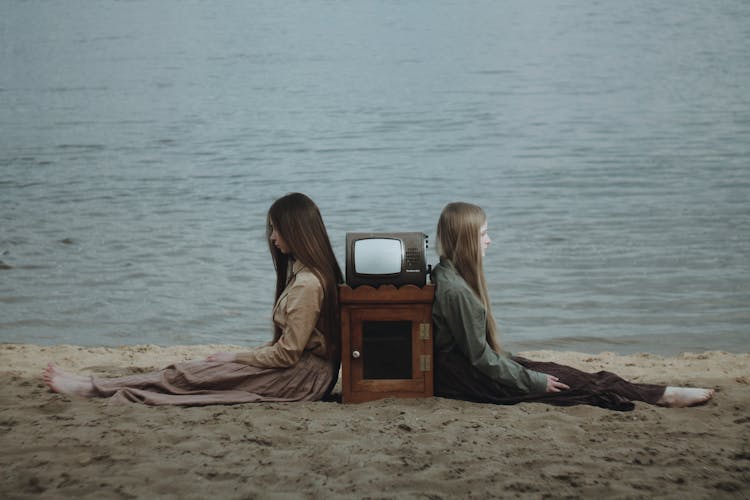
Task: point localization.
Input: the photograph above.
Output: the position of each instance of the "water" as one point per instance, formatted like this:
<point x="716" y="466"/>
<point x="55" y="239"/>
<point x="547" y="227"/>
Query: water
<point x="141" y="144"/>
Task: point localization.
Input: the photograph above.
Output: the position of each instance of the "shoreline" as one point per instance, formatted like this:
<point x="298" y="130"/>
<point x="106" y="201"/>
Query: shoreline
<point x="665" y="345"/>
<point x="56" y="446"/>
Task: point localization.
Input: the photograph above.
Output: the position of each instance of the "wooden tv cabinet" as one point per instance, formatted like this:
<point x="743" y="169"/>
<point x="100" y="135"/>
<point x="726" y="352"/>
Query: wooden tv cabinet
<point x="386" y="340"/>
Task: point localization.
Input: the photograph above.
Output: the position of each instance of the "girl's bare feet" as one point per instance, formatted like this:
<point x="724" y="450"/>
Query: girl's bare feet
<point x="679" y="397"/>
<point x="67" y="383"/>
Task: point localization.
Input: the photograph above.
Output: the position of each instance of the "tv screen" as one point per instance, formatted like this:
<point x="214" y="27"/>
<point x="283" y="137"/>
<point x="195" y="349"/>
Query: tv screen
<point x="377" y="256"/>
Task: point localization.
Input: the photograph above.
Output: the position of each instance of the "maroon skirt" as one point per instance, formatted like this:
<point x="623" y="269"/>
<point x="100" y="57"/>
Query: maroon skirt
<point x="456" y="378"/>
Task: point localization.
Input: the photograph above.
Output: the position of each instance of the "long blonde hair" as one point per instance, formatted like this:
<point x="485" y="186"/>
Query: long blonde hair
<point x="458" y="238"/>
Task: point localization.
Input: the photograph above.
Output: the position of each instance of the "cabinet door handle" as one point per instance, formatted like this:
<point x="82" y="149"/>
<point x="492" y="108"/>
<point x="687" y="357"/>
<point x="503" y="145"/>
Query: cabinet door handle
<point x="356" y="354"/>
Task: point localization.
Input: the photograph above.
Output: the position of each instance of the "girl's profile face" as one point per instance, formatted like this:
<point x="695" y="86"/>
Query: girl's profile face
<point x="484" y="238"/>
<point x="277" y="240"/>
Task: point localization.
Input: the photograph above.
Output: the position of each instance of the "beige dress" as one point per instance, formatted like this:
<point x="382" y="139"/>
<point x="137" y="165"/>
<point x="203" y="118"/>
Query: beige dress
<point x="294" y="368"/>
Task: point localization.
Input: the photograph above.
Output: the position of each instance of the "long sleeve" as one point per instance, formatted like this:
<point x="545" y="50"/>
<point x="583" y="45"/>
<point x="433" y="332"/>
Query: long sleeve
<point x="297" y="313"/>
<point x="465" y="318"/>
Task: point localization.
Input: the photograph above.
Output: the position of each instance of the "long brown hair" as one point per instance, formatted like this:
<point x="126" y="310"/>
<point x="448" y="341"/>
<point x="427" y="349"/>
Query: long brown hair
<point x="297" y="220"/>
<point x="458" y="236"/>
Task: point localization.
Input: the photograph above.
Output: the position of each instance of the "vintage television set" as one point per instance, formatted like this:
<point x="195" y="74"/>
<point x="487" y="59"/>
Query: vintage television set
<point x="386" y="317"/>
<point x="386" y="258"/>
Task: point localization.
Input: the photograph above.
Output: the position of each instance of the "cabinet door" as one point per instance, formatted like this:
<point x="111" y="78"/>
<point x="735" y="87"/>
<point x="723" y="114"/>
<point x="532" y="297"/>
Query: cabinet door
<point x="386" y="354"/>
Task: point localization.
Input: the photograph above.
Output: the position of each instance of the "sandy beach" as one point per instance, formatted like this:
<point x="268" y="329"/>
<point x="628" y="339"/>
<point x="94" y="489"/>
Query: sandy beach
<point x="55" y="446"/>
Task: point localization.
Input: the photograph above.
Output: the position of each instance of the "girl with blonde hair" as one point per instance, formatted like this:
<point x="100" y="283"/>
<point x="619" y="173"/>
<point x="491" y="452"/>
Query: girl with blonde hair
<point x="470" y="363"/>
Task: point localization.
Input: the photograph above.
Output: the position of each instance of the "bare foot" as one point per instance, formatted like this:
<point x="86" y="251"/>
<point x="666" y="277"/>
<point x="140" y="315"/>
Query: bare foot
<point x="679" y="397"/>
<point x="67" y="383"/>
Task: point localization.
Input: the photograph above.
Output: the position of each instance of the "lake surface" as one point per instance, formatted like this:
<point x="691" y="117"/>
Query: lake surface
<point x="141" y="144"/>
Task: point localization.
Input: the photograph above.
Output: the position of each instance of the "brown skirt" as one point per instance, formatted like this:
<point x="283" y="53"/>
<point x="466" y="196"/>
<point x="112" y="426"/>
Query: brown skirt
<point x="456" y="378"/>
<point x="198" y="383"/>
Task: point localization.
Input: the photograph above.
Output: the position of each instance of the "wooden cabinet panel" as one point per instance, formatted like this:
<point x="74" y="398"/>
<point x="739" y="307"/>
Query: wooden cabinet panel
<point x="386" y="337"/>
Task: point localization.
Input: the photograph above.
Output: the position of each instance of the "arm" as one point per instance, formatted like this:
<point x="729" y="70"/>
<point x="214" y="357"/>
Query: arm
<point x="466" y="320"/>
<point x="229" y="357"/>
<point x="302" y="310"/>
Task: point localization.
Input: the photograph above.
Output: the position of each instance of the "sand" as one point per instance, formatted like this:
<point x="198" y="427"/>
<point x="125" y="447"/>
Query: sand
<point x="55" y="446"/>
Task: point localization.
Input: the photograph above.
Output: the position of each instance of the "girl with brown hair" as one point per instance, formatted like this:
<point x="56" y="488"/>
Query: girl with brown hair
<point x="469" y="361"/>
<point x="301" y="363"/>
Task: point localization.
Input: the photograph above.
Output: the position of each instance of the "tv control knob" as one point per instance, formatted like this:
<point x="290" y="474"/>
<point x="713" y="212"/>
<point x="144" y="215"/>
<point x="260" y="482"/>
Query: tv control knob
<point x="356" y="354"/>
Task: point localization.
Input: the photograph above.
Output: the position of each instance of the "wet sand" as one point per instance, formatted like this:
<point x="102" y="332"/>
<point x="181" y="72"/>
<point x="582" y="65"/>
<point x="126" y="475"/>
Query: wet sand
<point x="56" y="446"/>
